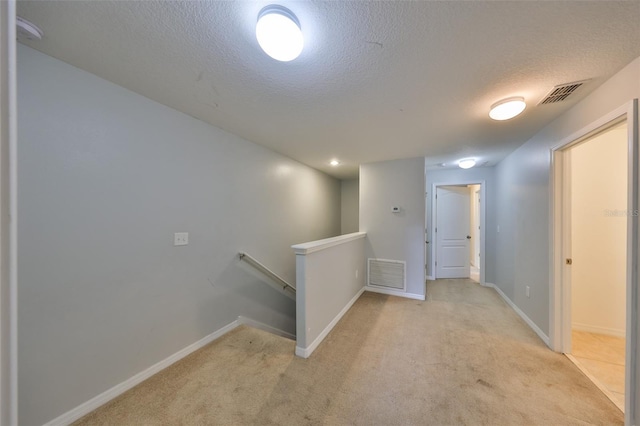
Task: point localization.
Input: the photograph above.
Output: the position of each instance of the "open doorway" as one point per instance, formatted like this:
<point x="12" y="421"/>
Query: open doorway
<point x="457" y="216"/>
<point x="562" y="257"/>
<point x="596" y="220"/>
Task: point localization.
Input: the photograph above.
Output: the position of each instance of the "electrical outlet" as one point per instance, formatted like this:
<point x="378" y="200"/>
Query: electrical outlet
<point x="527" y="291"/>
<point x="181" y="239"/>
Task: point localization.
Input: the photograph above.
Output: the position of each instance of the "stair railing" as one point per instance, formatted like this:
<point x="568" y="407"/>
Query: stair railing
<point x="268" y="272"/>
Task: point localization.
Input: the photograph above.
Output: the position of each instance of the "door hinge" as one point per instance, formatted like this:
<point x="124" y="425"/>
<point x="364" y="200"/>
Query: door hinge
<point x="568" y="261"/>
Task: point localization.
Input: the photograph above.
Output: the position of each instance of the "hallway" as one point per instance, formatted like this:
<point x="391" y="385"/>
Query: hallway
<point x="461" y="357"/>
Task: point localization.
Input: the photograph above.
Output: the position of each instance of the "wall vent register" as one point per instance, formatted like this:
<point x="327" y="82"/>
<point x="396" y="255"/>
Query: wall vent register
<point x="387" y="273"/>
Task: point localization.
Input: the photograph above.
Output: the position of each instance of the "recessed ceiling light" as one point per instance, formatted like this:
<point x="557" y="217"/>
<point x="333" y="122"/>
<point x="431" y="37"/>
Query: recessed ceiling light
<point x="334" y="162"/>
<point x="507" y="108"/>
<point x="467" y="163"/>
<point x="278" y="33"/>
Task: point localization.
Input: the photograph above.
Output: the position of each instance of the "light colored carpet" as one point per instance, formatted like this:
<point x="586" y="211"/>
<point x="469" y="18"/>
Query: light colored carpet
<point x="461" y="357"/>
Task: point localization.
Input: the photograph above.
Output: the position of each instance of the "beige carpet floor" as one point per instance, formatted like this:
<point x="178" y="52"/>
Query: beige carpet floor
<point x="461" y="357"/>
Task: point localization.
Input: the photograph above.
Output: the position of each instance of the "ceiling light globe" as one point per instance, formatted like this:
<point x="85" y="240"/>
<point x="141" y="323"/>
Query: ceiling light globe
<point x="507" y="108"/>
<point x="334" y="162"/>
<point x="467" y="164"/>
<point x="279" y="34"/>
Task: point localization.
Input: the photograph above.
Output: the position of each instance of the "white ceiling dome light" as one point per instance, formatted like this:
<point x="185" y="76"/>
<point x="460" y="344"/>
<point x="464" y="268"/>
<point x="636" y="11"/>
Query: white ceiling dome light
<point x="279" y="34"/>
<point x="507" y="108"/>
<point x="467" y="163"/>
<point x="27" y="30"/>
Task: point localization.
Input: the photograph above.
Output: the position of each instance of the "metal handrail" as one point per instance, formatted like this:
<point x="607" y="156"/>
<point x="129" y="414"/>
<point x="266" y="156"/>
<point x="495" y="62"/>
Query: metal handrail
<point x="268" y="272"/>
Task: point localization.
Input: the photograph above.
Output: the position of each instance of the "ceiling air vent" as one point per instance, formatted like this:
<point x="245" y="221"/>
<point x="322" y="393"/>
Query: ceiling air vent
<point x="561" y="92"/>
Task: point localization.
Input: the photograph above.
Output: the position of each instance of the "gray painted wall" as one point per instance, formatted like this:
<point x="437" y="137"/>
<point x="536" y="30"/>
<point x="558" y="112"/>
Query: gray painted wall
<point x="350" y="203"/>
<point x="395" y="236"/>
<point x="327" y="281"/>
<point x="7" y="138"/>
<point x="458" y="175"/>
<point x="105" y="178"/>
<point x="523" y="197"/>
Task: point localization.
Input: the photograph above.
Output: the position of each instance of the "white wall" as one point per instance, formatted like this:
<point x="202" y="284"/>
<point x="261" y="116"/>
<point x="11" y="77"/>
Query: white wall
<point x="350" y="202"/>
<point x="395" y="236"/>
<point x="523" y="197"/>
<point x="599" y="233"/>
<point x="105" y="178"/>
<point x="330" y="275"/>
<point x="473" y="175"/>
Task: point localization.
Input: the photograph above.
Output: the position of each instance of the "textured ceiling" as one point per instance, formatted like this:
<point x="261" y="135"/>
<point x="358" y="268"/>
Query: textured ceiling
<point x="375" y="81"/>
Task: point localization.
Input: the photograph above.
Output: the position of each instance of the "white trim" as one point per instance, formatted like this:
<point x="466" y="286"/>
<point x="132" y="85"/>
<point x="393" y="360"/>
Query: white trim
<point x="306" y="352"/>
<point x="430" y="278"/>
<point x="616" y="332"/>
<point x="632" y="396"/>
<point x="483" y="222"/>
<point x="395" y="293"/>
<point x="310" y="247"/>
<point x="522" y="315"/>
<point x="265" y="327"/>
<point x="588" y="130"/>
<point x="87" y="407"/>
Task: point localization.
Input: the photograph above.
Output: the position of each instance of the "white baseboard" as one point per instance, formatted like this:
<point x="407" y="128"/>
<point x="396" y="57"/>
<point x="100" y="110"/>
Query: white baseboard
<point x="87" y="407"/>
<point x="262" y="326"/>
<point x="522" y="315"/>
<point x="306" y="352"/>
<point x="598" y="330"/>
<point x="430" y="278"/>
<point x="395" y="293"/>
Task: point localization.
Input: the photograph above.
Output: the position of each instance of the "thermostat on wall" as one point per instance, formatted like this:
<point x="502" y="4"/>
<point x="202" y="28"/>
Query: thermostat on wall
<point x="395" y="209"/>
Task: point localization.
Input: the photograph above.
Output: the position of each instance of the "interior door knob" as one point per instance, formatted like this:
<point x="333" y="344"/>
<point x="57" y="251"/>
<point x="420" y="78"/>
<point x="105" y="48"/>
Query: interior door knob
<point x="468" y="237"/>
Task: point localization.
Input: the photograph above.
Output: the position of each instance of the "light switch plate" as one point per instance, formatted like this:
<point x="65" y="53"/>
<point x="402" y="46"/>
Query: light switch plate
<point x="181" y="239"/>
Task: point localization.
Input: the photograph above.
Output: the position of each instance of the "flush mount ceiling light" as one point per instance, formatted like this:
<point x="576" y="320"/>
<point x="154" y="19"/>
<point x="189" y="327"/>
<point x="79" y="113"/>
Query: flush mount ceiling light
<point x="334" y="162"/>
<point x="507" y="108"/>
<point x="278" y="33"/>
<point x="467" y="163"/>
<point x="28" y="30"/>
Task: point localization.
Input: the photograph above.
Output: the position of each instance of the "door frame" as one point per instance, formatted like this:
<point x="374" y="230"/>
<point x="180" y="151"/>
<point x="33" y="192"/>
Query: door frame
<point x="559" y="279"/>
<point x="434" y="222"/>
<point x="8" y="215"/>
<point x="477" y="202"/>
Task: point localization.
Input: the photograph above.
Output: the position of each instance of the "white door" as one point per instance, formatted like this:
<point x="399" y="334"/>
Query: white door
<point x="452" y="232"/>
<point x="475" y="233"/>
